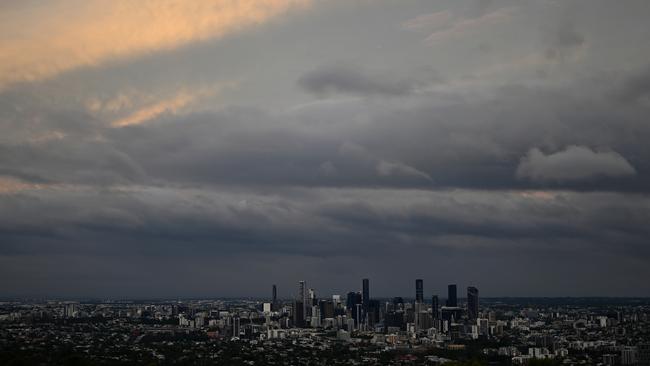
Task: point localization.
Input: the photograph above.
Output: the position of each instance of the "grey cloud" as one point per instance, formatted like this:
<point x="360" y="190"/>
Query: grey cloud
<point x="349" y="79"/>
<point x="573" y="163"/>
<point x="399" y="167"/>
<point x="563" y="41"/>
<point x="568" y="36"/>
<point x="155" y="227"/>
<point x="476" y="8"/>
<point x="383" y="167"/>
<point x="634" y="88"/>
<point x="464" y="141"/>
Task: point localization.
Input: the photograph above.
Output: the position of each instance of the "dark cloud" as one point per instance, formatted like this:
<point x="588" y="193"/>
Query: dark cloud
<point x="563" y="41"/>
<point x="400" y="172"/>
<point x="349" y="79"/>
<point x="634" y="88"/>
<point x="568" y="36"/>
<point x="151" y="227"/>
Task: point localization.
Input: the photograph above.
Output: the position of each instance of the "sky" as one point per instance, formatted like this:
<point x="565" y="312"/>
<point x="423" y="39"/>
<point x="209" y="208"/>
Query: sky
<point x="214" y="148"/>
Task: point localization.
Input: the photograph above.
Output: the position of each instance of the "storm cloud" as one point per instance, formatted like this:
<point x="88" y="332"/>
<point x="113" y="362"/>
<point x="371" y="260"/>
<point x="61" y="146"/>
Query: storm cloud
<point x="353" y="80"/>
<point x="501" y="144"/>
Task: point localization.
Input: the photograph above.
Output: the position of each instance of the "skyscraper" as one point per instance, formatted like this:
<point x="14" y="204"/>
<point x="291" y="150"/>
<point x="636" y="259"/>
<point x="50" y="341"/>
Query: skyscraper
<point x="236" y="328"/>
<point x="349" y="303"/>
<point x="311" y="302"/>
<point x="452" y="298"/>
<point x="354" y="299"/>
<point x="274" y="298"/>
<point x="298" y="313"/>
<point x="312" y="297"/>
<point x="419" y="292"/>
<point x="357" y="315"/>
<point x="366" y="294"/>
<point x="472" y="302"/>
<point x="435" y="305"/>
<point x="326" y="309"/>
<point x="302" y="296"/>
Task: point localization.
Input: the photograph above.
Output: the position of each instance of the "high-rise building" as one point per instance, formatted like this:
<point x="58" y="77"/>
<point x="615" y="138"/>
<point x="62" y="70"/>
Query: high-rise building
<point x="366" y="294"/>
<point x="472" y="302"/>
<point x="419" y="291"/>
<point x="452" y="298"/>
<point x="316" y="317"/>
<point x="350" y="300"/>
<point x="302" y="296"/>
<point x="326" y="308"/>
<point x="374" y="312"/>
<point x="336" y="299"/>
<point x="298" y="313"/>
<point x="236" y="328"/>
<point x="274" y="298"/>
<point x="435" y="307"/>
<point x="358" y="315"/>
<point x="312" y="296"/>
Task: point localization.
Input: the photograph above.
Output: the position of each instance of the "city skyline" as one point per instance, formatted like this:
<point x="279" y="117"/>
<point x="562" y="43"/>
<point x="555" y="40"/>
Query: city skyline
<point x="325" y="182"/>
<point x="500" y="332"/>
<point x="440" y="296"/>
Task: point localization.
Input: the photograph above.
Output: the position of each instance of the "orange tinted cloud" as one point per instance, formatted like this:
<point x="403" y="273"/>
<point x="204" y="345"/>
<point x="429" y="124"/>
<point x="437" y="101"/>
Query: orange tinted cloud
<point x="9" y="185"/>
<point x="171" y="105"/>
<point x="39" y="41"/>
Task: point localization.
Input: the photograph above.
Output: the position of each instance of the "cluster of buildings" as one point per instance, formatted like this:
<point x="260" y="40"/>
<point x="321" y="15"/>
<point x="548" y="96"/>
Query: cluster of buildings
<point x="334" y="329"/>
<point x="359" y="312"/>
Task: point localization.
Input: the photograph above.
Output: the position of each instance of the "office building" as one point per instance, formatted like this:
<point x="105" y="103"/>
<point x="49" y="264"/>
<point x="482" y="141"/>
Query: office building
<point x="336" y="299"/>
<point x="274" y="298"/>
<point x="419" y="292"/>
<point x="366" y="294"/>
<point x="326" y="309"/>
<point x="472" y="302"/>
<point x="435" y="307"/>
<point x="298" y="313"/>
<point x="302" y="297"/>
<point x="358" y="315"/>
<point x="353" y="299"/>
<point x="236" y="328"/>
<point x="452" y="297"/>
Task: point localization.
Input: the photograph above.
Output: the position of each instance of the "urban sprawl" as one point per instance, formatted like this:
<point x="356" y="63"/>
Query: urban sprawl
<point x="350" y="329"/>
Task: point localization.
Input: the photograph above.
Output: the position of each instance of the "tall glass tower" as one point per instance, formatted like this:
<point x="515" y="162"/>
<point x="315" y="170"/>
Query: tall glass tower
<point x="452" y="298"/>
<point x="366" y="294"/>
<point x="419" y="291"/>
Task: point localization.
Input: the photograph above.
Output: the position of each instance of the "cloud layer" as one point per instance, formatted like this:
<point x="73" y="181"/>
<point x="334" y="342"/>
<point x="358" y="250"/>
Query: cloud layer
<point x="171" y="149"/>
